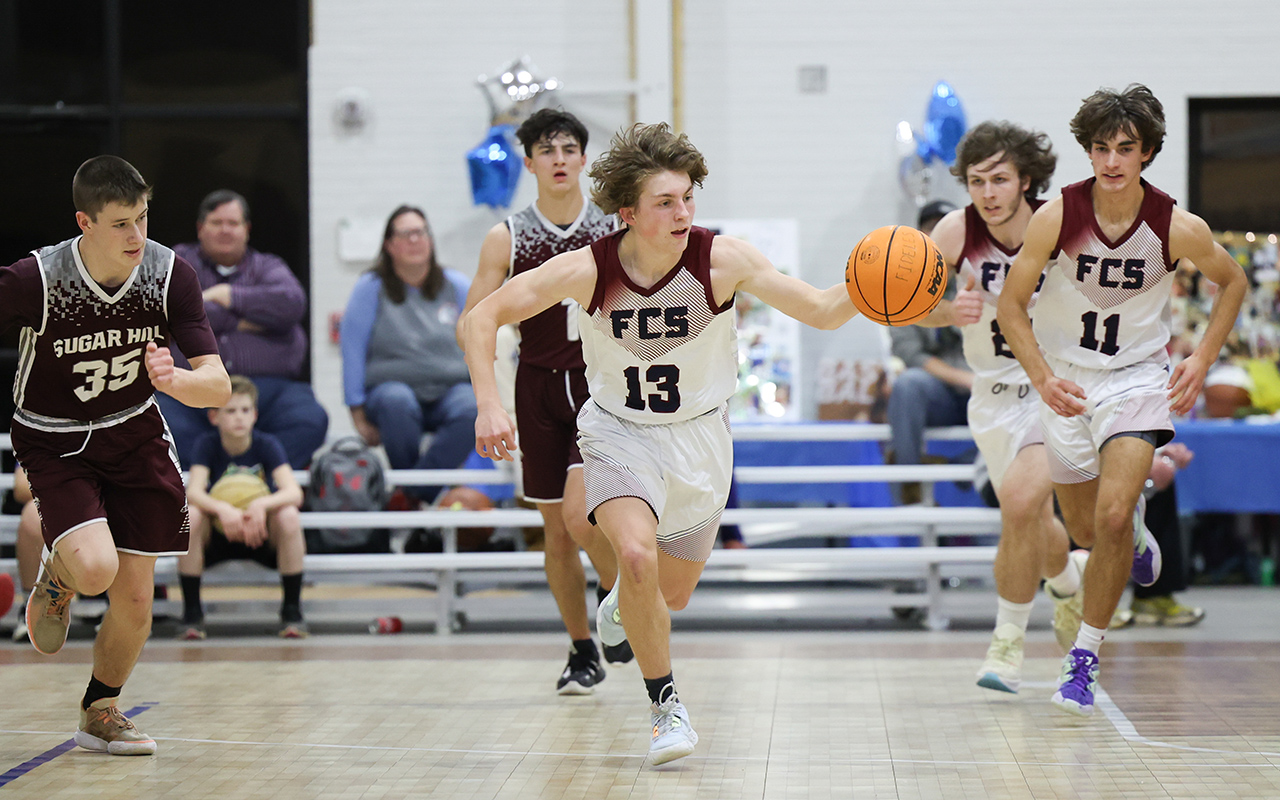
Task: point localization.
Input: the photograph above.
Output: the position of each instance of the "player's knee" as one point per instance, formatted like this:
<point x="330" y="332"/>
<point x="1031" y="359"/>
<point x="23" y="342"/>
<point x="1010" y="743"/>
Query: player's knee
<point x="557" y="541"/>
<point x="677" y="599"/>
<point x="95" y="572"/>
<point x="288" y="522"/>
<point x="637" y="562"/>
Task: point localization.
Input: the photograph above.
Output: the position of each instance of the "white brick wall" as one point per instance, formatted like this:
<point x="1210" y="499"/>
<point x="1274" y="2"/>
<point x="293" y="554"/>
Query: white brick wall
<point x="827" y="159"/>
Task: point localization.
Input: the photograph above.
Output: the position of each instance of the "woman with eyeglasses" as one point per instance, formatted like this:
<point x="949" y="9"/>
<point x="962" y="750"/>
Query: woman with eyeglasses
<point x="403" y="372"/>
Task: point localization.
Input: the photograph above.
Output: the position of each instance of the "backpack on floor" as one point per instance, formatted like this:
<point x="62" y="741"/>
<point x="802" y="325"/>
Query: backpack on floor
<point x="346" y="476"/>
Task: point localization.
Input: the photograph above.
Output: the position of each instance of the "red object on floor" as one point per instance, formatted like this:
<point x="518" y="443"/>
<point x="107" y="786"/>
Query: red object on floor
<point x="6" y="593"/>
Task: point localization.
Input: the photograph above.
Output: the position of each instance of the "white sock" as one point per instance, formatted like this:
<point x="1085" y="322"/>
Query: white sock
<point x="1067" y="582"/>
<point x="1011" y="613"/>
<point x="1089" y="638"/>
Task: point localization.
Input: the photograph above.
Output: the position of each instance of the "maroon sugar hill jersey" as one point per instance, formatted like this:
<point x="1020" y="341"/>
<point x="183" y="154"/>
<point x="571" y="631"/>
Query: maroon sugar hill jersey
<point x="82" y="345"/>
<point x="550" y="339"/>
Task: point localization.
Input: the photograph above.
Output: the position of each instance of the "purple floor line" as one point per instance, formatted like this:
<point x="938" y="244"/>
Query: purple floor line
<point x="53" y="752"/>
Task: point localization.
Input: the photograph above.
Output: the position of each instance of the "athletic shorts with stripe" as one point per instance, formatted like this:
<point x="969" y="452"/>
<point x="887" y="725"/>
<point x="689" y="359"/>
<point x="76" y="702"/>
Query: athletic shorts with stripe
<point x="1003" y="418"/>
<point x="681" y="469"/>
<point x="1125" y="400"/>
<point x="126" y="475"/>
<point x="547" y="405"/>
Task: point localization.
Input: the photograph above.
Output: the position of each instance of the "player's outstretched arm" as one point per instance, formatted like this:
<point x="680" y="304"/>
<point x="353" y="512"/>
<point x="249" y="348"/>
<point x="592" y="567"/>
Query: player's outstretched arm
<point x="205" y="385"/>
<point x="1190" y="238"/>
<point x="738" y="265"/>
<point x="1062" y="396"/>
<point x="495" y="263"/>
<point x="570" y="275"/>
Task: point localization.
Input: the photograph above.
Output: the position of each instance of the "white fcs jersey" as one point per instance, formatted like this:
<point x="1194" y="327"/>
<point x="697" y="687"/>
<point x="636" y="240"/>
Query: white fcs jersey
<point x="985" y="348"/>
<point x="663" y="354"/>
<point x="1104" y="304"/>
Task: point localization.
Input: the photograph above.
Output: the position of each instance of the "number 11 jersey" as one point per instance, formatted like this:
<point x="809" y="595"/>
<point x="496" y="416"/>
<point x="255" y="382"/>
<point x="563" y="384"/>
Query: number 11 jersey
<point x="1105" y="304"/>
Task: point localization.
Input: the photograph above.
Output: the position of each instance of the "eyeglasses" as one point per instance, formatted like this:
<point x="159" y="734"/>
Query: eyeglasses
<point x="410" y="235"/>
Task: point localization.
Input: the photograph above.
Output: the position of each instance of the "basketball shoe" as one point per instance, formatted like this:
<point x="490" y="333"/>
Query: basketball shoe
<point x="1146" y="552"/>
<point x="581" y="674"/>
<point x="618" y="654"/>
<point x="104" y="729"/>
<point x="48" y="608"/>
<point x="1164" y="610"/>
<point x="1002" y="669"/>
<point x="1068" y="610"/>
<point x="1078" y="682"/>
<point x="609" y="620"/>
<point x="673" y="736"/>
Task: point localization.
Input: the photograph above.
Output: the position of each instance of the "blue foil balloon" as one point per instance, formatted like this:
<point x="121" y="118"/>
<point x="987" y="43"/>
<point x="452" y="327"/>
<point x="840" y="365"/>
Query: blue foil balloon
<point x="944" y="125"/>
<point x="495" y="168"/>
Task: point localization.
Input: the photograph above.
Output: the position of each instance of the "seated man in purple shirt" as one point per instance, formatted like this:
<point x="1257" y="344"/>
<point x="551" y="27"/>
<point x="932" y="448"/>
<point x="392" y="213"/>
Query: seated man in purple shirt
<point x="255" y="306"/>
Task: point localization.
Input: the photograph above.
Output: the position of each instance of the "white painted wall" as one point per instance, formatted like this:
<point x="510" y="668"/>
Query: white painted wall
<point x="828" y="160"/>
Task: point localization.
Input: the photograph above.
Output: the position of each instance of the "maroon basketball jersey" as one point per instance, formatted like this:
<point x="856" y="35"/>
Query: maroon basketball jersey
<point x="82" y="345"/>
<point x="550" y="339"/>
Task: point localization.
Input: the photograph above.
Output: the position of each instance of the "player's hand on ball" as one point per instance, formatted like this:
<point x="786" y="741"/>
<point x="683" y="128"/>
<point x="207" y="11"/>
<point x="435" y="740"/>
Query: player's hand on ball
<point x="160" y="369"/>
<point x="966" y="308"/>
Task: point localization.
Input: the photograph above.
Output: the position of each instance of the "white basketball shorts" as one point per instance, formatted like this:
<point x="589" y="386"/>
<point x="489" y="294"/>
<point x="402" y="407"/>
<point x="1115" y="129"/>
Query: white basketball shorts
<point x="1129" y="399"/>
<point x="681" y="469"/>
<point x="1003" y="418"/>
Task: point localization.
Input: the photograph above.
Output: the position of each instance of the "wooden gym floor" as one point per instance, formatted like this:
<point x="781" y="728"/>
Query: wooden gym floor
<point x="1191" y="713"/>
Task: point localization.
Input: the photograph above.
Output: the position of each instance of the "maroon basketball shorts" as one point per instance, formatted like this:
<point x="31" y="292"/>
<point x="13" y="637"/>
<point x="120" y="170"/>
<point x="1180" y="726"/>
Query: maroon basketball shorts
<point x="547" y="404"/>
<point x="125" y="475"/>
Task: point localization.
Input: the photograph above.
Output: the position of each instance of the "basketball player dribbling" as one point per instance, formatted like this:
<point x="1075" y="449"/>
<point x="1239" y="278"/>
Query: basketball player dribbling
<point x="659" y="341"/>
<point x="1005" y="168"/>
<point x="96" y="313"/>
<point x="551" y="384"/>
<point x="1107" y="249"/>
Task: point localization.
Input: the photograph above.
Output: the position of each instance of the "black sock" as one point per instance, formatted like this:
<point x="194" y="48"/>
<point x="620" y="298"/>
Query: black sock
<point x="291" y="609"/>
<point x="192" y="610"/>
<point x="661" y="689"/>
<point x="601" y="594"/>
<point x="586" y="647"/>
<point x="98" y="690"/>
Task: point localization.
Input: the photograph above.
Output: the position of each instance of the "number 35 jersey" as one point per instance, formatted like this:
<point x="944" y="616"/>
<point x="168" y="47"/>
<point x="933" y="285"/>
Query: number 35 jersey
<point x="82" y="345"/>
<point x="663" y="354"/>
<point x="1105" y="304"/>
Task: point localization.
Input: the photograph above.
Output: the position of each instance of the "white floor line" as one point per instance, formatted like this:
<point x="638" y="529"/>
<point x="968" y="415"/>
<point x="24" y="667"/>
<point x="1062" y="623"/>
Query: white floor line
<point x="1130" y="733"/>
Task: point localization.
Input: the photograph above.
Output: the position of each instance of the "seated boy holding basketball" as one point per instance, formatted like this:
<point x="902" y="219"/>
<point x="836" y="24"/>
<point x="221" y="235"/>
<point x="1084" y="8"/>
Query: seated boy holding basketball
<point x="242" y="495"/>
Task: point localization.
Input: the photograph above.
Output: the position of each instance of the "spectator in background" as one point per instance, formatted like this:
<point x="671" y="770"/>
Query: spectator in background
<point x="402" y="369"/>
<point x="933" y="390"/>
<point x="255" y="306"/>
<point x="241" y="495"/>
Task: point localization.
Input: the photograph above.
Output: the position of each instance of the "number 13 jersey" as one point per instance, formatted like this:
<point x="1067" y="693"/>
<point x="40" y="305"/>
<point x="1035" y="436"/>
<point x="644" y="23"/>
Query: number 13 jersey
<point x="1105" y="304"/>
<point x="663" y="354"/>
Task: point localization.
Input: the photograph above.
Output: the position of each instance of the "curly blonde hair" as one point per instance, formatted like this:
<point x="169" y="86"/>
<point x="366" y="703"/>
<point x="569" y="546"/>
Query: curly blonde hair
<point x="637" y="154"/>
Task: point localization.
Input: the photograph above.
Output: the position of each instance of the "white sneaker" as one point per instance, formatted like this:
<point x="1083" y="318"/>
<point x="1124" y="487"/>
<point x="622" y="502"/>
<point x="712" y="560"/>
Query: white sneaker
<point x="609" y="621"/>
<point x="1069" y="610"/>
<point x="673" y="736"/>
<point x="1002" y="669"/>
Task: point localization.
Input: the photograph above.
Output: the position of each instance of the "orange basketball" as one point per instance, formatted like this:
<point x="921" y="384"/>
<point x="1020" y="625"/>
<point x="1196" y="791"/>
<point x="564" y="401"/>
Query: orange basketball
<point x="895" y="276"/>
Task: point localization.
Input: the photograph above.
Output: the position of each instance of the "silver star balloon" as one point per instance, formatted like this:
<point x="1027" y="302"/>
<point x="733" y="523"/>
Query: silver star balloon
<point x="515" y="91"/>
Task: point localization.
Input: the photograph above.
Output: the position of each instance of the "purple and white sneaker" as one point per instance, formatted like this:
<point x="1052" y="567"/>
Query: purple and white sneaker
<point x="1078" y="683"/>
<point x="1146" y="552"/>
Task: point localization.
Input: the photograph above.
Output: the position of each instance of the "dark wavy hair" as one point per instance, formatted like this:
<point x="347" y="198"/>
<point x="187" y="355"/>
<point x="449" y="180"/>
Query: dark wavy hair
<point x="637" y="154"/>
<point x="386" y="271"/>
<point x="1030" y="152"/>
<point x="548" y="122"/>
<point x="1134" y="111"/>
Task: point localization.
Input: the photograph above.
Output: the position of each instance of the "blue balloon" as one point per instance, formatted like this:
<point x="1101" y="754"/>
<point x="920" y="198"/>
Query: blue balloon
<point x="495" y="167"/>
<point x="944" y="125"/>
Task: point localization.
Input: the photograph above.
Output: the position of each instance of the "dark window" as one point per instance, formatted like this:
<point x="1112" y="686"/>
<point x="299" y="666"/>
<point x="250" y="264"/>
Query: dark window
<point x="1234" y="173"/>
<point x="52" y="53"/>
